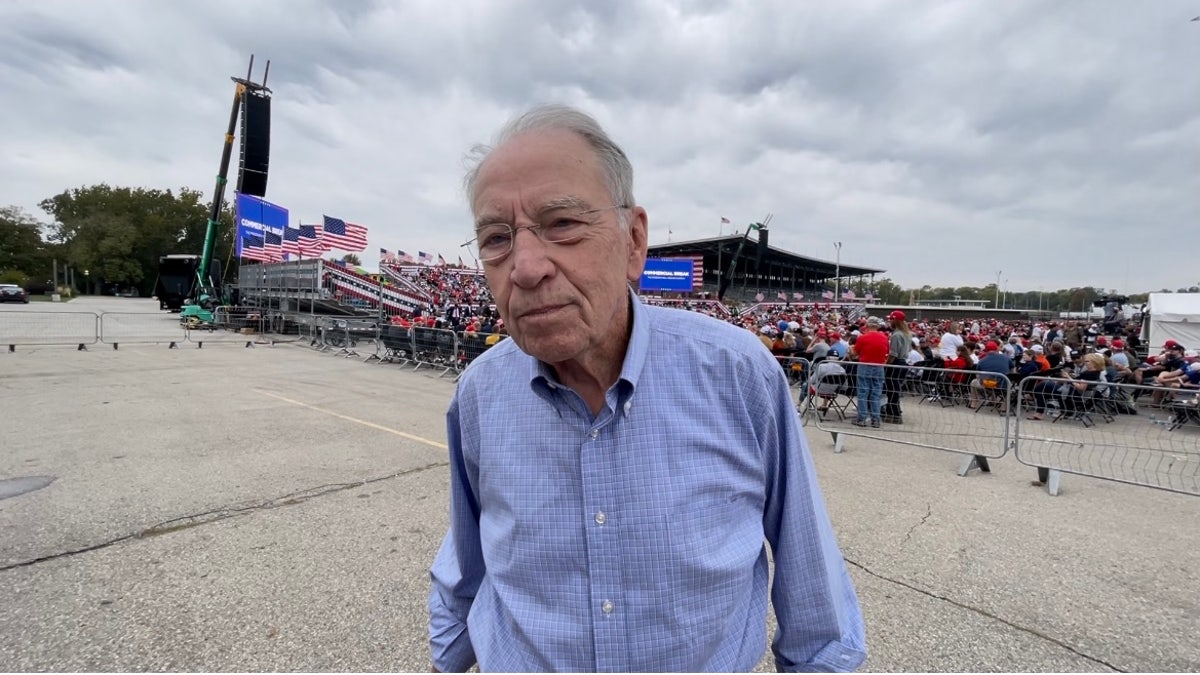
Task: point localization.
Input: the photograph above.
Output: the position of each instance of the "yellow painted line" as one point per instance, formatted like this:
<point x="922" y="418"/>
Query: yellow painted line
<point x="365" y="423"/>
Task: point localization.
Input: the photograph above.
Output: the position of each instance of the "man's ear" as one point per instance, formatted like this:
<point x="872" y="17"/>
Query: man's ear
<point x="638" y="243"/>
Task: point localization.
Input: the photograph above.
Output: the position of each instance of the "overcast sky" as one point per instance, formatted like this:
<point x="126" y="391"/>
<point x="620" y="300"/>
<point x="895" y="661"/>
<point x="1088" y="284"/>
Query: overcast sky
<point x="1055" y="141"/>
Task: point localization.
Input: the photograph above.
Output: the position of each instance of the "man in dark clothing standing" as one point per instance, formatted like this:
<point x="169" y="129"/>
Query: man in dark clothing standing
<point x="899" y="344"/>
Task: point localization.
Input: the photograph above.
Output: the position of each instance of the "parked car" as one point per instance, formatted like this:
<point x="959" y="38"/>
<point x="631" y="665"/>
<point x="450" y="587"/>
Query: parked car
<point x="13" y="293"/>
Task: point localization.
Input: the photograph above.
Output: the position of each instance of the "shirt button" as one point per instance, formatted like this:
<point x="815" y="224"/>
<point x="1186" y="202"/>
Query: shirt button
<point x="601" y="518"/>
<point x="594" y="434"/>
<point x="606" y="607"/>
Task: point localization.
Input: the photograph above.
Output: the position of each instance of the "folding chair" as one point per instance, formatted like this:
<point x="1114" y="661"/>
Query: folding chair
<point x="1185" y="409"/>
<point x="830" y="392"/>
<point x="995" y="393"/>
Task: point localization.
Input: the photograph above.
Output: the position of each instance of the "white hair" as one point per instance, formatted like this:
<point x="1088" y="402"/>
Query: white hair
<point x="618" y="172"/>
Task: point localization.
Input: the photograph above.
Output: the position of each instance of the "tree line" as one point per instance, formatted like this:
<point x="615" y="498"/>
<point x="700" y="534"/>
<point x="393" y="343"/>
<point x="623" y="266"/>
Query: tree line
<point x="111" y="239"/>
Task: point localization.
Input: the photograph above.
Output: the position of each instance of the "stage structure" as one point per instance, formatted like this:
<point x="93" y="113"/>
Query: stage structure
<point x="763" y="269"/>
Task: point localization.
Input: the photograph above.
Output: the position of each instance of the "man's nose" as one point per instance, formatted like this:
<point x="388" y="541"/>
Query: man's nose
<point x="530" y="259"/>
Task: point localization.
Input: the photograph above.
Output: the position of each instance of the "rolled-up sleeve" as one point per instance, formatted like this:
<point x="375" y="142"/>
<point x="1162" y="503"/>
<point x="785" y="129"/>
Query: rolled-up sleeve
<point x="820" y="623"/>
<point x="458" y="569"/>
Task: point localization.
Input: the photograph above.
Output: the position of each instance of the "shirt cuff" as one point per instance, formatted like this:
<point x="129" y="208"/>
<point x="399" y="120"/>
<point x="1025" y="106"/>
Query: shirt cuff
<point x="449" y="643"/>
<point x="834" y="657"/>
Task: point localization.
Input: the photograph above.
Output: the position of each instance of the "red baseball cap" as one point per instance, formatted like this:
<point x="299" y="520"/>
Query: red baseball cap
<point x="1101" y="341"/>
<point x="1170" y="344"/>
<point x="897" y="315"/>
<point x="991" y="346"/>
<point x="1118" y="344"/>
<point x="835" y="336"/>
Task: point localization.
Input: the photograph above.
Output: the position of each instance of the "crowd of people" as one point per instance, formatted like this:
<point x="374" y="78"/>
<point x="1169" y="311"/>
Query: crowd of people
<point x="462" y="302"/>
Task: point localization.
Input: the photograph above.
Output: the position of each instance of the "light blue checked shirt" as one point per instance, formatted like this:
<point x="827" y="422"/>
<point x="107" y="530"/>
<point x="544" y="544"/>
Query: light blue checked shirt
<point x="633" y="540"/>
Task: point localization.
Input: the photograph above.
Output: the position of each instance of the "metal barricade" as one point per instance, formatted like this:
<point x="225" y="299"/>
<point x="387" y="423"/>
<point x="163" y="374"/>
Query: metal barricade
<point x="1137" y="434"/>
<point x="959" y="411"/>
<point x="309" y="329"/>
<point x="435" y="347"/>
<point x="359" y="331"/>
<point x="330" y="334"/>
<point x="79" y="329"/>
<point x="472" y="345"/>
<point x="797" y="369"/>
<point x="230" y="325"/>
<point x="395" y="345"/>
<point x="141" y="328"/>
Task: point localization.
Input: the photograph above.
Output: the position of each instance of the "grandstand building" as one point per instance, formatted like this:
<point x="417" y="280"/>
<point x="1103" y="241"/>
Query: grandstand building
<point x="769" y="271"/>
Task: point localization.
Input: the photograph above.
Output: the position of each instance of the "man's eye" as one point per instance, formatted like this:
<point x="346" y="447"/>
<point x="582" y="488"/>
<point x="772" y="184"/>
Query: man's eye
<point x="562" y="228"/>
<point x="494" y="239"/>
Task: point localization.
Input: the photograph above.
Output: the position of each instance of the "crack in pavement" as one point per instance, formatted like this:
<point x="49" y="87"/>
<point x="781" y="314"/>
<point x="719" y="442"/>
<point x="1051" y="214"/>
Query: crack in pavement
<point x="223" y="513"/>
<point x="985" y="613"/>
<point x="928" y="512"/>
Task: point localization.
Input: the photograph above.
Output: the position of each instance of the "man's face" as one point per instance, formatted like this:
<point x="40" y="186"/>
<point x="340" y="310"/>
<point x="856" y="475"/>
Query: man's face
<point x="558" y="301"/>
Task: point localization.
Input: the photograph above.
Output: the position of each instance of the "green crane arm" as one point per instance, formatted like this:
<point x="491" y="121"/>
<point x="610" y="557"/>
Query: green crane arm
<point x="214" y="215"/>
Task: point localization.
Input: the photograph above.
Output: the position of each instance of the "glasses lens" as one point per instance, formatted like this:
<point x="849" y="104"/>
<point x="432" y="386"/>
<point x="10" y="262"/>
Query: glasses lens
<point x="563" y="230"/>
<point x="494" y="241"/>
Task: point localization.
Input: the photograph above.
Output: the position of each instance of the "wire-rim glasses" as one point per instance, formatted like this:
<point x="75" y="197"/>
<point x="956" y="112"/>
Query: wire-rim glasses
<point x="494" y="241"/>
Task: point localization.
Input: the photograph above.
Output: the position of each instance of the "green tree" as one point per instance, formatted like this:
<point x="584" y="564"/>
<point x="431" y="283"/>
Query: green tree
<point x="119" y="233"/>
<point x="23" y="251"/>
<point x="351" y="259"/>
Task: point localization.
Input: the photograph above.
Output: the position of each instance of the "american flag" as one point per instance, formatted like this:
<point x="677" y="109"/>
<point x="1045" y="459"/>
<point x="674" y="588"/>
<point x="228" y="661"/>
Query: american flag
<point x="423" y="257"/>
<point x="798" y="296"/>
<point x="697" y="272"/>
<point x="291" y="241"/>
<point x="759" y="297"/>
<point x="782" y="296"/>
<point x="273" y="246"/>
<point x="310" y="241"/>
<point x="441" y="260"/>
<point x="724" y="220"/>
<point x="252" y="248"/>
<point x="848" y="295"/>
<point x="828" y="295"/>
<point x="869" y="297"/>
<point x="344" y="236"/>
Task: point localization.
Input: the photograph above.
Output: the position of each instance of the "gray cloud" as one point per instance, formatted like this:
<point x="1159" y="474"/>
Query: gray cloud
<point x="939" y="140"/>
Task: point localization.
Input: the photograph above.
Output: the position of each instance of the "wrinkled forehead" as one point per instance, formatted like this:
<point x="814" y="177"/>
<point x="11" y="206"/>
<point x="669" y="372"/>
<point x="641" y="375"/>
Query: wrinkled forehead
<point x="533" y="170"/>
<point x="503" y="211"/>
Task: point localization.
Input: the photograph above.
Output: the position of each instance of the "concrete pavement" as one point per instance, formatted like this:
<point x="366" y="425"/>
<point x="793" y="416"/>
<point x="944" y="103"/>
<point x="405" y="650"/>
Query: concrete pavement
<point x="277" y="509"/>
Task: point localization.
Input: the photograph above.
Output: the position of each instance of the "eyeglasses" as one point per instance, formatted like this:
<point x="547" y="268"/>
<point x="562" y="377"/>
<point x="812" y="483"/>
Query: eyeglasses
<point x="494" y="241"/>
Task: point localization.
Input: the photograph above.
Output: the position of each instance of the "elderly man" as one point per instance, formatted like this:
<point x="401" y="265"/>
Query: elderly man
<point x="616" y="467"/>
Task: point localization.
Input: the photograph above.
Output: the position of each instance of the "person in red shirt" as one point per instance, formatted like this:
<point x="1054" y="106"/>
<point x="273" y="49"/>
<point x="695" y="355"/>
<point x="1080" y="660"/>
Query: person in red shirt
<point x="871" y="348"/>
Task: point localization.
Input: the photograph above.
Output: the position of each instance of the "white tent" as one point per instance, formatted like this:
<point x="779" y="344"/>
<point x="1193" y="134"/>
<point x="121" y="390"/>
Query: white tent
<point x="1174" y="316"/>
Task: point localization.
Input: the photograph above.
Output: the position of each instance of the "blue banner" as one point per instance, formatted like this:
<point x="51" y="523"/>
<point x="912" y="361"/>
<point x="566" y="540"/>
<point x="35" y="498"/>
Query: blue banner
<point x="661" y="274"/>
<point x="257" y="217"/>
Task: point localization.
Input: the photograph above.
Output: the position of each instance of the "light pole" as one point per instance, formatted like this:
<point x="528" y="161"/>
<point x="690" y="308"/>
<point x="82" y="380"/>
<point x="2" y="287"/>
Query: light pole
<point x="996" y="302"/>
<point x="837" y="281"/>
<point x="87" y="283"/>
<point x="1005" y="303"/>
